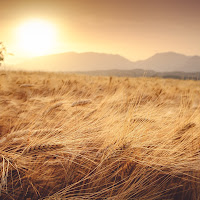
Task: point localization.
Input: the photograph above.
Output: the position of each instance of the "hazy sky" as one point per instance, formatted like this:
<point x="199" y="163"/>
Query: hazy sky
<point x="136" y="29"/>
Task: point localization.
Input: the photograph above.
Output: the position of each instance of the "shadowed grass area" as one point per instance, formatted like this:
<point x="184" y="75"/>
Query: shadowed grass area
<point x="68" y="136"/>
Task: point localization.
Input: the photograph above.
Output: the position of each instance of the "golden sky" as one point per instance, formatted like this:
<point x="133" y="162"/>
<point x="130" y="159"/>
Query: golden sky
<point x="136" y="29"/>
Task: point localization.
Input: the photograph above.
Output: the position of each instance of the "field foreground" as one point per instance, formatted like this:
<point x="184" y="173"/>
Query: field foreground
<point x="68" y="136"/>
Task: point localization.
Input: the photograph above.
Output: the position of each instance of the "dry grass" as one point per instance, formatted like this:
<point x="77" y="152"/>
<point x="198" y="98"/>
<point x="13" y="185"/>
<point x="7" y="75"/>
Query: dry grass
<point x="68" y="136"/>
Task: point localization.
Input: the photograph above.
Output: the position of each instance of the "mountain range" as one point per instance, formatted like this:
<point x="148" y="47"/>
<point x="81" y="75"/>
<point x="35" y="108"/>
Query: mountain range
<point x="90" y="61"/>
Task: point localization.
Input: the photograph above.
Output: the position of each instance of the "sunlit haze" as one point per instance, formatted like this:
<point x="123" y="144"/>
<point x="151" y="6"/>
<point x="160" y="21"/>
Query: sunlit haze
<point x="135" y="29"/>
<point x="36" y="38"/>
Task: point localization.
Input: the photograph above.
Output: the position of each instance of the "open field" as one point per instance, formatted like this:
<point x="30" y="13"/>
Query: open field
<point x="81" y="137"/>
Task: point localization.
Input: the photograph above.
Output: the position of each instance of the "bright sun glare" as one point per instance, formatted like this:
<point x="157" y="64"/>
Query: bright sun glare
<point x="36" y="37"/>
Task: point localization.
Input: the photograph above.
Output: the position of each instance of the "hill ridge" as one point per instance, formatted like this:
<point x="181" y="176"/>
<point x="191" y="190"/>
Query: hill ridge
<point x="90" y="61"/>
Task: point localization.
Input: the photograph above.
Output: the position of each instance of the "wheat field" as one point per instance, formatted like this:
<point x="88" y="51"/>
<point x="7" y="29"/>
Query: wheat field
<point x="69" y="136"/>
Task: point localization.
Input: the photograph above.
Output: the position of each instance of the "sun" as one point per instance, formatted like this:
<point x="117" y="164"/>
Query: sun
<point x="36" y="37"/>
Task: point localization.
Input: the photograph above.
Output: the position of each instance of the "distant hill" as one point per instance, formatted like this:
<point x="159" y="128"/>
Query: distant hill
<point x="191" y="65"/>
<point x="77" y="62"/>
<point x="169" y="61"/>
<point x="90" y="61"/>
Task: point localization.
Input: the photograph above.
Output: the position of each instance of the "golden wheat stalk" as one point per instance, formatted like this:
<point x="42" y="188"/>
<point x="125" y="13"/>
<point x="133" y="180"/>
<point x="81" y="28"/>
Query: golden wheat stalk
<point x="57" y="105"/>
<point x="26" y="85"/>
<point x="28" y="133"/>
<point x="81" y="102"/>
<point x="183" y="130"/>
<point x="36" y="149"/>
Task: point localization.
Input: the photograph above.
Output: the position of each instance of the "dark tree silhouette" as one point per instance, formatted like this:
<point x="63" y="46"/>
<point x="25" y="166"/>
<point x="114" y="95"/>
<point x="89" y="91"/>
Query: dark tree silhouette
<point x="2" y="52"/>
